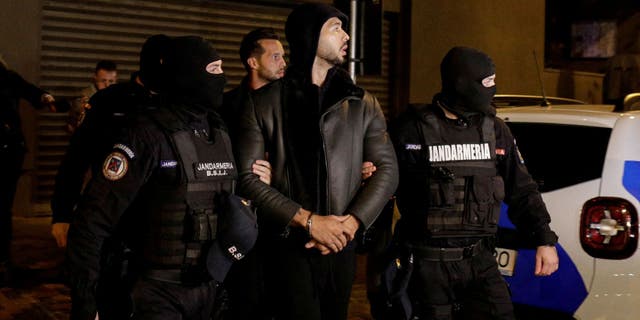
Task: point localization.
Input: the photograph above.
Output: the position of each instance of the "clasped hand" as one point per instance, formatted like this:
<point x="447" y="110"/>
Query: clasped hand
<point x="331" y="234"/>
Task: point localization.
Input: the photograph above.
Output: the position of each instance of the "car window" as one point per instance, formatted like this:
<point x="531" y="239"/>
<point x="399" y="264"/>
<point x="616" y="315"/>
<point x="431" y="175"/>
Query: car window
<point x="559" y="156"/>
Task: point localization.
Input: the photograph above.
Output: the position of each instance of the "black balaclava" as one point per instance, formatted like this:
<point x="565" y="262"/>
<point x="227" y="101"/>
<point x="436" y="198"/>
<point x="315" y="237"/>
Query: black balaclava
<point x="462" y="70"/>
<point x="303" y="28"/>
<point x="187" y="78"/>
<point x="152" y="55"/>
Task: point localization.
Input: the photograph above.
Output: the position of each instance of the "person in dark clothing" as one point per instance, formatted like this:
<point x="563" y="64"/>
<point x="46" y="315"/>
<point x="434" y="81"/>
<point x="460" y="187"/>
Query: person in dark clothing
<point x="12" y="149"/>
<point x="262" y="55"/>
<point x="458" y="161"/>
<point x="317" y="128"/>
<point x="111" y="109"/>
<point x="170" y="173"/>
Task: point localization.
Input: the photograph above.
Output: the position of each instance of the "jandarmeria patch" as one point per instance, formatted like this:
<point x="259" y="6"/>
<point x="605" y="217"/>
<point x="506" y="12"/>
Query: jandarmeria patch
<point x="126" y="150"/>
<point x="115" y="166"/>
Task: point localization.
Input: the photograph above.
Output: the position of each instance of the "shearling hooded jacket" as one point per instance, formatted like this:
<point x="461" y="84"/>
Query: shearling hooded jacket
<point x="352" y="130"/>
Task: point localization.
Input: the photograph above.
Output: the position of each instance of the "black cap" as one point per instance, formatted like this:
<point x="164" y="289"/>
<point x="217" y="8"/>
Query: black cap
<point x="237" y="233"/>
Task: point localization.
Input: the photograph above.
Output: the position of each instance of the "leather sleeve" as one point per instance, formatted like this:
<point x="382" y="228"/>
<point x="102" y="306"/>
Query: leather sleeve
<point x="250" y="145"/>
<point x="378" y="148"/>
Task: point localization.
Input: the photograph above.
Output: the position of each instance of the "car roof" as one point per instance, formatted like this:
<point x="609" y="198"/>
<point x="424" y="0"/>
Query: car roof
<point x="519" y="100"/>
<point x="584" y="115"/>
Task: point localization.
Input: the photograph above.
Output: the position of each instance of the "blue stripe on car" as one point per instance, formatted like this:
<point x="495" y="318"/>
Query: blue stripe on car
<point x="630" y="178"/>
<point x="562" y="291"/>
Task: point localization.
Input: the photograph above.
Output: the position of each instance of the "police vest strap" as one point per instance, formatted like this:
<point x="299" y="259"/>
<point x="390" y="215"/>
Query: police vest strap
<point x="427" y="253"/>
<point x="186" y="151"/>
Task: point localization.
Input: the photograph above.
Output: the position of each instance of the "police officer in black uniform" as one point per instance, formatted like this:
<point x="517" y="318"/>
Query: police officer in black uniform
<point x="111" y="109"/>
<point x="458" y="161"/>
<point x="171" y="169"/>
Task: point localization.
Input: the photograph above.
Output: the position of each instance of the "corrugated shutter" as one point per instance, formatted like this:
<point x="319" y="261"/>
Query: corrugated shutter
<point x="77" y="34"/>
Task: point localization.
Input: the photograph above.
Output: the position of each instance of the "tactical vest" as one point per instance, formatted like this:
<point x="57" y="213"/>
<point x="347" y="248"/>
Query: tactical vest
<point x="182" y="216"/>
<point x="465" y="191"/>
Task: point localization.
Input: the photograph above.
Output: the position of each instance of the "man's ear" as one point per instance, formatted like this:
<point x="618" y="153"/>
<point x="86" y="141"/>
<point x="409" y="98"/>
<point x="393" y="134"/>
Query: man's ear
<point x="252" y="62"/>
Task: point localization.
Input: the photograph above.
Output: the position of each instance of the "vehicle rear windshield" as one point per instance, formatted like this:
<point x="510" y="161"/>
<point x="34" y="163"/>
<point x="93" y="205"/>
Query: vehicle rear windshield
<point x="559" y="156"/>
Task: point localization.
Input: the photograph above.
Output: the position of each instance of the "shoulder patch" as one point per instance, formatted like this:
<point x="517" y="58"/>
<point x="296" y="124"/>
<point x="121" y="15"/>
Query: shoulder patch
<point x="126" y="150"/>
<point x="115" y="166"/>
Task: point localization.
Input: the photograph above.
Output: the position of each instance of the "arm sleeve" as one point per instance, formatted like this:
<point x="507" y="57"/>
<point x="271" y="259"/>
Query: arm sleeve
<point x="412" y="194"/>
<point x="274" y="206"/>
<point x="527" y="211"/>
<point x="86" y="146"/>
<point x="26" y="90"/>
<point x="378" y="148"/>
<point x="99" y="211"/>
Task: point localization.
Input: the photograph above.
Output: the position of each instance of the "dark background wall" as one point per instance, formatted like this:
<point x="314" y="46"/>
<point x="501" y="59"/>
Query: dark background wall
<point x="508" y="30"/>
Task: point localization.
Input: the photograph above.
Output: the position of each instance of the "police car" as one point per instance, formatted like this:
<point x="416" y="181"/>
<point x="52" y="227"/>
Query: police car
<point x="586" y="161"/>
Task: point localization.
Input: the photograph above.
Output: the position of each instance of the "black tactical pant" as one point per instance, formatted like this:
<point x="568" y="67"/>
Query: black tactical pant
<point x="471" y="288"/>
<point x="159" y="300"/>
<point x="118" y="273"/>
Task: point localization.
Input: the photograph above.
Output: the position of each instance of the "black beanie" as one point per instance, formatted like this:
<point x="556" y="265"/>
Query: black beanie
<point x="303" y="28"/>
<point x="187" y="77"/>
<point x="153" y="52"/>
<point x="462" y="70"/>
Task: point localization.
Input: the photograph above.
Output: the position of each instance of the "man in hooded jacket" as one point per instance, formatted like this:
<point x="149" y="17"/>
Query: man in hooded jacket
<point x="317" y="128"/>
<point x="170" y="170"/>
<point x="458" y="161"/>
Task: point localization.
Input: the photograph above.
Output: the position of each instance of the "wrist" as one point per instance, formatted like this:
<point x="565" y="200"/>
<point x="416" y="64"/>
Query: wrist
<point x="309" y="224"/>
<point x="300" y="218"/>
<point x="354" y="220"/>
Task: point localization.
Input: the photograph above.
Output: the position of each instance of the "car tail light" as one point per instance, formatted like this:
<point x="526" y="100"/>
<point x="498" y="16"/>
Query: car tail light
<point x="609" y="228"/>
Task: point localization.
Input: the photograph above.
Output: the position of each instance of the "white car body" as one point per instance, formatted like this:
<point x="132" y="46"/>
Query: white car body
<point x="613" y="286"/>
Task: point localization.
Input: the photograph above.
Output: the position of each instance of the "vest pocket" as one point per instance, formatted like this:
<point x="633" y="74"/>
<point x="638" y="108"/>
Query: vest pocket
<point x="201" y="225"/>
<point x="479" y="209"/>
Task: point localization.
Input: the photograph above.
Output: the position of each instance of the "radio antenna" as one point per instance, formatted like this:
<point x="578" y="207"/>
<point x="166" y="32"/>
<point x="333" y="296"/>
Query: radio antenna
<point x="544" y="102"/>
